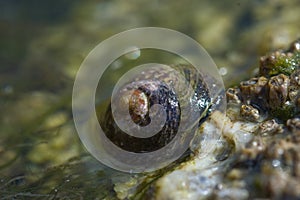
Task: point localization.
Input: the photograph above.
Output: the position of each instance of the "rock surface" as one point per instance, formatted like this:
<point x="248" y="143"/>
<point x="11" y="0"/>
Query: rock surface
<point x="261" y="137"/>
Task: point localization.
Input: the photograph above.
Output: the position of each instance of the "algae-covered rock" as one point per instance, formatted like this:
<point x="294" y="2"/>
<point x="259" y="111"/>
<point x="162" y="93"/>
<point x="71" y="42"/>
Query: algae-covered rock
<point x="263" y="133"/>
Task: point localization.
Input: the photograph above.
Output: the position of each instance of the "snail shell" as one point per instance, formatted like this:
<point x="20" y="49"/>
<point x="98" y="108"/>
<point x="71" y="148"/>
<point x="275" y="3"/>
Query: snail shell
<point x="153" y="106"/>
<point x="160" y="102"/>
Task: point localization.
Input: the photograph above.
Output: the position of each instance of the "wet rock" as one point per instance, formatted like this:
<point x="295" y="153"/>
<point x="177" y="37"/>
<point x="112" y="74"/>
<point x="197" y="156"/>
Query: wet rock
<point x="263" y="126"/>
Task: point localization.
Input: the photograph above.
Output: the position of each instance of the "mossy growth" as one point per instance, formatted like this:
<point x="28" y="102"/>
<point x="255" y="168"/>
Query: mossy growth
<point x="284" y="112"/>
<point x="285" y="64"/>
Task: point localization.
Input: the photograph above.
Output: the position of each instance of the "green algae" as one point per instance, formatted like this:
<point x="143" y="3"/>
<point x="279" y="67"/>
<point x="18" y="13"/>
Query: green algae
<point x="275" y="64"/>
<point x="284" y="112"/>
<point x="286" y="64"/>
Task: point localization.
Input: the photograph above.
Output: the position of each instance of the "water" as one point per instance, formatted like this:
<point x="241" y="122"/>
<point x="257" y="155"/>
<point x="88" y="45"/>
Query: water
<point x="42" y="44"/>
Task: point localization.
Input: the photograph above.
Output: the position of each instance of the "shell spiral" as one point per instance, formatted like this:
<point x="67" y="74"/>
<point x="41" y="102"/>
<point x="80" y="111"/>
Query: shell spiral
<point x="159" y="102"/>
<point x="146" y="116"/>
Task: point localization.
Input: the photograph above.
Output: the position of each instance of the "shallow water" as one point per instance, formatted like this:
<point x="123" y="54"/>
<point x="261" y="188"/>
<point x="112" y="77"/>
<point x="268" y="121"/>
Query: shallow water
<point x="42" y="45"/>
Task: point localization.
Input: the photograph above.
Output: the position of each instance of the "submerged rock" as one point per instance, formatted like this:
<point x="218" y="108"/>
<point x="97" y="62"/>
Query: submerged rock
<point x="258" y="153"/>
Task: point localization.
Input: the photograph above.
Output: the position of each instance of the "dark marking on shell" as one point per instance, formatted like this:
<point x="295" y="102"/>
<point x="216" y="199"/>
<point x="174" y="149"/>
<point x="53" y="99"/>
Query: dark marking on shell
<point x="152" y="91"/>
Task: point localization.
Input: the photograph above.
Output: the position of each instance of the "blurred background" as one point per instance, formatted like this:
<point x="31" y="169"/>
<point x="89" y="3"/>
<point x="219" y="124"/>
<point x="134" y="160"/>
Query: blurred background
<point x="42" y="44"/>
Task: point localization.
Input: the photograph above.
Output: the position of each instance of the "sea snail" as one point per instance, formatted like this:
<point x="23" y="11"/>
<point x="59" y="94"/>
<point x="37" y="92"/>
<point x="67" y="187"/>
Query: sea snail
<point x="166" y="100"/>
<point x="154" y="110"/>
<point x="152" y="117"/>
